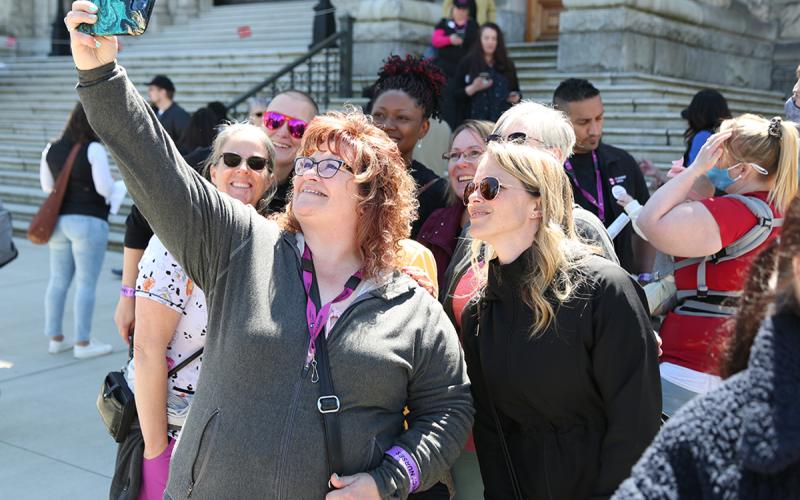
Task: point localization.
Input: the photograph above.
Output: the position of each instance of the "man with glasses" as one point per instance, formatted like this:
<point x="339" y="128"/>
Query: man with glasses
<point x="285" y="120"/>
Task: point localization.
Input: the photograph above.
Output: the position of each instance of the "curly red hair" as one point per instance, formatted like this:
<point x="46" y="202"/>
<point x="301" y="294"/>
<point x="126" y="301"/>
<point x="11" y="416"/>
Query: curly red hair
<point x="386" y="191"/>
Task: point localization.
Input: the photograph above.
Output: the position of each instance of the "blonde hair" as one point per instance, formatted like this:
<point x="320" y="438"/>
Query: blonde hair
<point x="553" y="128"/>
<point x="228" y="131"/>
<point x="557" y="255"/>
<point x="386" y="202"/>
<point x="770" y="144"/>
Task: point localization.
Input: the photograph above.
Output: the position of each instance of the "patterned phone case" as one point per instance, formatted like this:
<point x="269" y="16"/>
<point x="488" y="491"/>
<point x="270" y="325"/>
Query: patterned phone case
<point x="120" y="17"/>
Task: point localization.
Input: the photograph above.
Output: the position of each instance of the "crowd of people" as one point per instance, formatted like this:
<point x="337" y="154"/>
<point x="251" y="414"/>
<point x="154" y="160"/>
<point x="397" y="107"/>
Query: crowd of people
<point x="349" y="324"/>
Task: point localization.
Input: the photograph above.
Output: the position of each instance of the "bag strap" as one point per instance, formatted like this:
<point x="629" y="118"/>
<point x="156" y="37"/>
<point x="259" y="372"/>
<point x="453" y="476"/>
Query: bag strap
<point x="512" y="474"/>
<point x="180" y="366"/>
<point x="67" y="170"/>
<point x="328" y="405"/>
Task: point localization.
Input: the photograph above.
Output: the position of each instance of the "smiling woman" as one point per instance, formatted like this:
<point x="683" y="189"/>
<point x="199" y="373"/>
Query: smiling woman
<point x="275" y="296"/>
<point x="558" y="343"/>
<point x="406" y="96"/>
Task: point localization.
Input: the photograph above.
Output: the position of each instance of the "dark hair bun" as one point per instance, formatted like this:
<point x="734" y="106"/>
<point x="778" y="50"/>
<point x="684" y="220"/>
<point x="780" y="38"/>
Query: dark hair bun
<point x="416" y="77"/>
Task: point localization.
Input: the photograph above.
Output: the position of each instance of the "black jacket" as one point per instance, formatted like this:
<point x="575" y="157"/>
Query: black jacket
<point x="448" y="57"/>
<point x="174" y="120"/>
<point x="617" y="167"/>
<point x="742" y="439"/>
<point x="580" y="401"/>
<point x="467" y="72"/>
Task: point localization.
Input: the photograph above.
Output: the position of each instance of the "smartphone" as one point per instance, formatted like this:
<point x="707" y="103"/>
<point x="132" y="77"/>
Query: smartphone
<point x="120" y="17"/>
<point x="484" y="75"/>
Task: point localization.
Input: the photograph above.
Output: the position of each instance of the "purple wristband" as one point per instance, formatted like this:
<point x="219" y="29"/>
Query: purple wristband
<point x="127" y="291"/>
<point x="405" y="459"/>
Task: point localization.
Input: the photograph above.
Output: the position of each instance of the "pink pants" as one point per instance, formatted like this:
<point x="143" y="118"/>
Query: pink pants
<point x="155" y="473"/>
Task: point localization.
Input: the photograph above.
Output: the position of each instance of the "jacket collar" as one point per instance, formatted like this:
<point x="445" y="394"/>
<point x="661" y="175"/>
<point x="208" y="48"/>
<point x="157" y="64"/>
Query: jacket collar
<point x="505" y="280"/>
<point x="771" y="418"/>
<point x="387" y="287"/>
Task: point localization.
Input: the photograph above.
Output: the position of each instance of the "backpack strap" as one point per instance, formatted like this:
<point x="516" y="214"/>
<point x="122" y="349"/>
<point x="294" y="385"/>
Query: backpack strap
<point x="766" y="223"/>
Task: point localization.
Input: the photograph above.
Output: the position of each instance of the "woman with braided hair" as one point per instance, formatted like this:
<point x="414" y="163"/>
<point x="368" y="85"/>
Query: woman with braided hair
<point x="758" y="157"/>
<point x="741" y="440"/>
<point x="404" y="99"/>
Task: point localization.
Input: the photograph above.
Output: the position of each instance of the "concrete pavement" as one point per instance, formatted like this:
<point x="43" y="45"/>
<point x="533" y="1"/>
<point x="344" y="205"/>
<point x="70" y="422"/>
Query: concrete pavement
<point x="52" y="442"/>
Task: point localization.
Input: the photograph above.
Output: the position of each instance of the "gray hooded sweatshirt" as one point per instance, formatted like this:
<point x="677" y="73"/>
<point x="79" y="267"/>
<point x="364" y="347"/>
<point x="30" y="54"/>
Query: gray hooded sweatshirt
<point x="254" y="430"/>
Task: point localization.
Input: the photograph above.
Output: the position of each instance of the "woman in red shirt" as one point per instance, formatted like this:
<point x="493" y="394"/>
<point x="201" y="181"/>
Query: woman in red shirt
<point x="760" y="158"/>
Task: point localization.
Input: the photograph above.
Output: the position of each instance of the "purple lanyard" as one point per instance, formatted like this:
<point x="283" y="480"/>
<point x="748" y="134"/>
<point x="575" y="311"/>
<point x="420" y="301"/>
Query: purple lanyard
<point x="598" y="201"/>
<point x="317" y="319"/>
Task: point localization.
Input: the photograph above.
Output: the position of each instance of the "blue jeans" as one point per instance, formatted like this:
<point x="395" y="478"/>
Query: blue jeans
<point x="77" y="249"/>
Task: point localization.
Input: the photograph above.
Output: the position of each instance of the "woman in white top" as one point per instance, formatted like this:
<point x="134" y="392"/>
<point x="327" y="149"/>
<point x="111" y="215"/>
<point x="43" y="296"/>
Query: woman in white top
<point x="78" y="244"/>
<point x="171" y="317"/>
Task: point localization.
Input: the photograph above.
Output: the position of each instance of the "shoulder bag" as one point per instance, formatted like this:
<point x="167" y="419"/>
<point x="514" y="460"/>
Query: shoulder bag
<point x="44" y="222"/>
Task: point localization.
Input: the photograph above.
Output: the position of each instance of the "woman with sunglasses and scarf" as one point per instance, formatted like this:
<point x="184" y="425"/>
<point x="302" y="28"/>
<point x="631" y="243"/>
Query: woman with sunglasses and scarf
<point x="318" y="289"/>
<point x="171" y="312"/>
<point x="758" y="157"/>
<point x="558" y="343"/>
<point x="404" y="99"/>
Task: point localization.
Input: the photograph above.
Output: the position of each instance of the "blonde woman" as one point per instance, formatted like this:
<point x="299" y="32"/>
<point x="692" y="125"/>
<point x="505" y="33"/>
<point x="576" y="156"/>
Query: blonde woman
<point x="558" y="343"/>
<point x="758" y="160"/>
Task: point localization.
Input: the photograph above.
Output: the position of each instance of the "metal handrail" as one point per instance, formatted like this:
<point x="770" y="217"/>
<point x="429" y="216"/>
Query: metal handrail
<point x="343" y="38"/>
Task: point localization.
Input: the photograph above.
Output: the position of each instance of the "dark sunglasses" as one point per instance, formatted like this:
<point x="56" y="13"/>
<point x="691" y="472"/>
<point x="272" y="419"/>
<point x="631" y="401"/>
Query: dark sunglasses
<point x="326" y="168"/>
<point x="274" y="120"/>
<point x="489" y="188"/>
<point x="233" y="160"/>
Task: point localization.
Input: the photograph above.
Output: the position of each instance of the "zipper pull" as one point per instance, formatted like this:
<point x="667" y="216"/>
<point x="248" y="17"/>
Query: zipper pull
<point x="314" y="372"/>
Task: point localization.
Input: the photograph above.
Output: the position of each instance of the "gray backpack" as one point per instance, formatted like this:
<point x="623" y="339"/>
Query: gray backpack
<point x="8" y="251"/>
<point x="758" y="234"/>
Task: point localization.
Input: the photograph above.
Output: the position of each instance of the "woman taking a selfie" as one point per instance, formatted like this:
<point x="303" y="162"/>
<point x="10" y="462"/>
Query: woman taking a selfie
<point x="309" y="319"/>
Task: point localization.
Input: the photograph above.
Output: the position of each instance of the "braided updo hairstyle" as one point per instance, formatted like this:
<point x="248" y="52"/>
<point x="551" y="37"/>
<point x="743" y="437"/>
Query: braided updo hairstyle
<point x="417" y="77"/>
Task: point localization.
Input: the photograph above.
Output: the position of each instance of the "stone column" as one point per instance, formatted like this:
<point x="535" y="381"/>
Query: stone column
<point x="686" y="39"/>
<point x="385" y="27"/>
<point x="511" y="17"/>
<point x="787" y="50"/>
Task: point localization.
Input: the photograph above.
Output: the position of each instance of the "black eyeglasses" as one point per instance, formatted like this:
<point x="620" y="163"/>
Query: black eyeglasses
<point x="326" y="168"/>
<point x="233" y="160"/>
<point x="515" y="137"/>
<point x="489" y="188"/>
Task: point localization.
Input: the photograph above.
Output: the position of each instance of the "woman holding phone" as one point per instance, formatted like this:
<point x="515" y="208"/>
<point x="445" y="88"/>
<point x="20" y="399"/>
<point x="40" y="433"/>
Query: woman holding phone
<point x="318" y="289"/>
<point x="486" y="78"/>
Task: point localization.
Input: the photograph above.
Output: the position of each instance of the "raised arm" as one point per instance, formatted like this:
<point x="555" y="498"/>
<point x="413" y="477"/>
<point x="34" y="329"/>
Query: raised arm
<point x="195" y="222"/>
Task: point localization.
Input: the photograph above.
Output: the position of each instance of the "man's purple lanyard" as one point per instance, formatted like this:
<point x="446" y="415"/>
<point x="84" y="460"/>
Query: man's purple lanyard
<point x="318" y="318"/>
<point x="597" y="201"/>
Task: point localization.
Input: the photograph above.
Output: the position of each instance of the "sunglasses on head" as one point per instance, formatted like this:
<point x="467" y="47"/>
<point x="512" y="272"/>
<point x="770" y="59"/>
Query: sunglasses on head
<point x="233" y="160"/>
<point x="514" y="137"/>
<point x="489" y="188"/>
<point x="274" y="120"/>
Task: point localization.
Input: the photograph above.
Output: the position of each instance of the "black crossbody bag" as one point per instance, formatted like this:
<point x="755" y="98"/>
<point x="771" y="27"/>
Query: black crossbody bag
<point x="116" y="403"/>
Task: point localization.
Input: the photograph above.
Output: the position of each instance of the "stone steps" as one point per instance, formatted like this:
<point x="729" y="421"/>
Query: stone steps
<point x="207" y="62"/>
